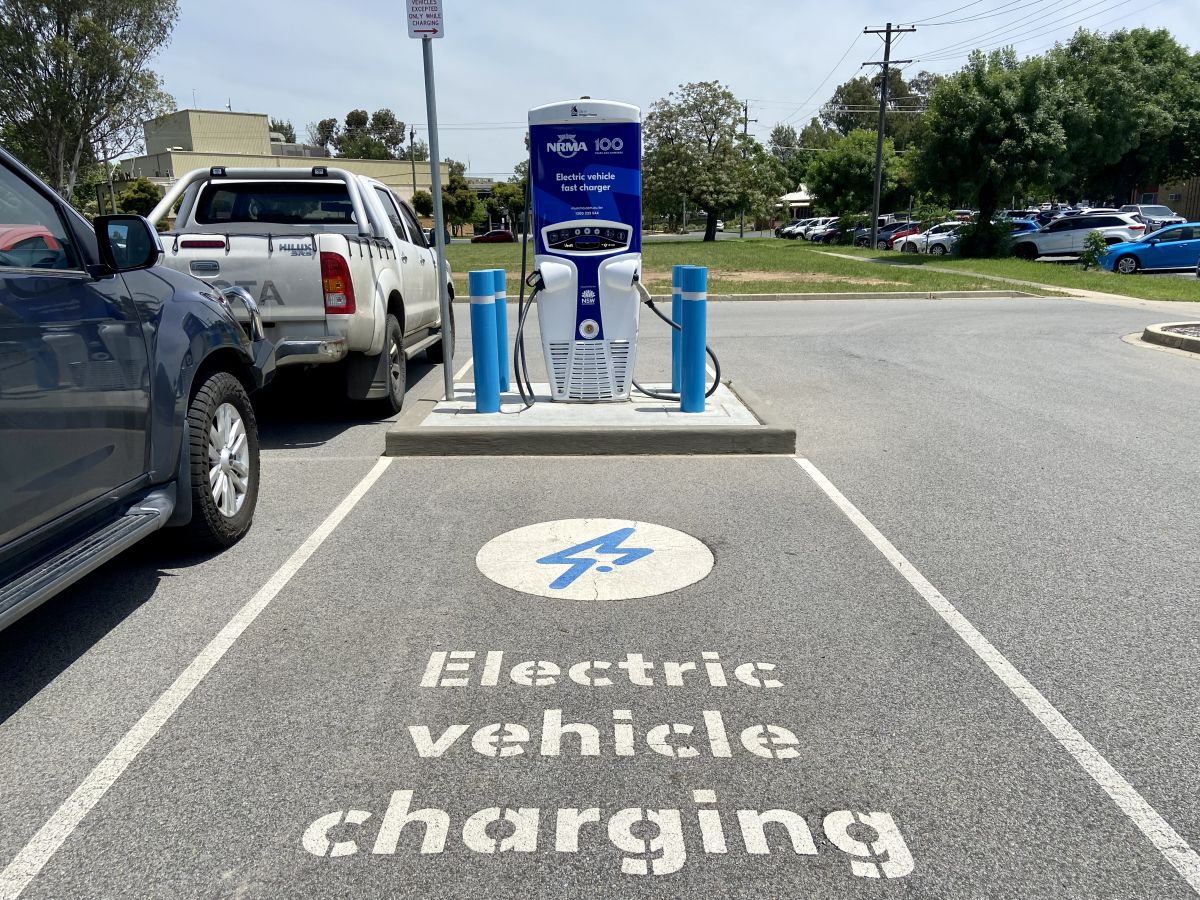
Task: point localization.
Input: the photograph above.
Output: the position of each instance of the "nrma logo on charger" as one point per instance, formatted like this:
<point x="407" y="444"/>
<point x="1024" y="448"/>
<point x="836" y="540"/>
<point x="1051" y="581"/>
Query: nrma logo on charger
<point x="567" y="146"/>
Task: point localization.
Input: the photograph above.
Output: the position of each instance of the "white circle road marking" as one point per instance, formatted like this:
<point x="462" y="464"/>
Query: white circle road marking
<point x="595" y="559"/>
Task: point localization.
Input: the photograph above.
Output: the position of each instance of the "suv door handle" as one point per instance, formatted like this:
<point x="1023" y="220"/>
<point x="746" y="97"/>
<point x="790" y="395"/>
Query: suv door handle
<point x="403" y="259"/>
<point x="422" y="259"/>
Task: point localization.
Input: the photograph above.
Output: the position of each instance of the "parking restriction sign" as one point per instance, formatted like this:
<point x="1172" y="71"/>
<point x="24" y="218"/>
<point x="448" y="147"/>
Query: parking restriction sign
<point x="424" y="18"/>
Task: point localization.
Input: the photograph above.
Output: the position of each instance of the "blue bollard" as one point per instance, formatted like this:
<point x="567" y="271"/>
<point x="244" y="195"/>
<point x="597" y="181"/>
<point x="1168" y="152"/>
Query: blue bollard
<point x="501" y="328"/>
<point x="676" y="317"/>
<point x="694" y="293"/>
<point x="482" y="285"/>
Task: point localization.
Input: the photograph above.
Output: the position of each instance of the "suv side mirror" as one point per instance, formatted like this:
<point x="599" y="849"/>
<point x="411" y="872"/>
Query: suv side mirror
<point x="126" y="242"/>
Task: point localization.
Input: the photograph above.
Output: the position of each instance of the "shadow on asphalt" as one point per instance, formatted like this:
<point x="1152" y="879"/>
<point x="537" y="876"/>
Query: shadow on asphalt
<point x="40" y="646"/>
<point x="308" y="408"/>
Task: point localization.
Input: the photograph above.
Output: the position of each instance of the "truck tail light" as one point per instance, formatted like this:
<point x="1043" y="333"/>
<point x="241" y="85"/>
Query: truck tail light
<point x="335" y="281"/>
<point x="1137" y="227"/>
<point x="205" y="244"/>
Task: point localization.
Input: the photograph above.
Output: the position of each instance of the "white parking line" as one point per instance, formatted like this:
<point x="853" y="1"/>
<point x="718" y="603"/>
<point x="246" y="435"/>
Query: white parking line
<point x="43" y="845"/>
<point x="1168" y="842"/>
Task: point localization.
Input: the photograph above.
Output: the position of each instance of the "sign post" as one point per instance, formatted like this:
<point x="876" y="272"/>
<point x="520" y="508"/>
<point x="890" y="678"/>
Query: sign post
<point x="425" y="24"/>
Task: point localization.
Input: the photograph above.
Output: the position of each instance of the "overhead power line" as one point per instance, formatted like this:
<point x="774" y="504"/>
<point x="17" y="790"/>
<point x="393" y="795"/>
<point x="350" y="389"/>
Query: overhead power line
<point x="836" y="65"/>
<point x="887" y="33"/>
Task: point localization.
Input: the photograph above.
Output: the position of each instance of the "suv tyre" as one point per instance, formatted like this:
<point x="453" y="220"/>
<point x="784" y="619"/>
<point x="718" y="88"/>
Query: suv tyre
<point x="223" y="446"/>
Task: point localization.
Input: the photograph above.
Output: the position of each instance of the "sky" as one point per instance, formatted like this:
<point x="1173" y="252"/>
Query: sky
<point x="304" y="60"/>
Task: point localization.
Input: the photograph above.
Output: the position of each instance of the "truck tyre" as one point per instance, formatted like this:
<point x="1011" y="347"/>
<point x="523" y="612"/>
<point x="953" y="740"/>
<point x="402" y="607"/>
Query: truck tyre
<point x="436" y="353"/>
<point x="397" y="365"/>
<point x="1025" y="251"/>
<point x="223" y="446"/>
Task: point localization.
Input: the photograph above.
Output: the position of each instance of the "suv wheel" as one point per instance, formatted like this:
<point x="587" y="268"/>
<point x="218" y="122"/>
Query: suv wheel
<point x="937" y="250"/>
<point x="1025" y="251"/>
<point x="1127" y="265"/>
<point x="881" y="245"/>
<point x="397" y="365"/>
<point x="223" y="439"/>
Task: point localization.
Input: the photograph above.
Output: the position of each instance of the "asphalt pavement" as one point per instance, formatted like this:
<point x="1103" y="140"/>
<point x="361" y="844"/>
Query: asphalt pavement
<point x="859" y="700"/>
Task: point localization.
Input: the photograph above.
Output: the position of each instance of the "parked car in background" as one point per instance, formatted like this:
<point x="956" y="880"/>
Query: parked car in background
<point x="495" y="236"/>
<point x="786" y="225"/>
<point x="338" y="263"/>
<point x="1176" y="247"/>
<point x="720" y="225"/>
<point x="915" y="243"/>
<point x="906" y="230"/>
<point x="1154" y="216"/>
<point x="1066" y="236"/>
<point x="825" y="234"/>
<point x="962" y="215"/>
<point x="124" y="395"/>
<point x="1022" y="226"/>
<point x="804" y="231"/>
<point x="862" y="236"/>
<point x="943" y="242"/>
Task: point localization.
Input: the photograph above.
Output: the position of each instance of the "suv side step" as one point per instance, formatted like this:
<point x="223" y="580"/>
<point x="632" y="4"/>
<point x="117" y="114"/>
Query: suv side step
<point x="417" y="346"/>
<point x="35" y="585"/>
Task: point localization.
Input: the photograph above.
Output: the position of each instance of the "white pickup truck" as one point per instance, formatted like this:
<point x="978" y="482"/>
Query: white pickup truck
<point x="338" y="264"/>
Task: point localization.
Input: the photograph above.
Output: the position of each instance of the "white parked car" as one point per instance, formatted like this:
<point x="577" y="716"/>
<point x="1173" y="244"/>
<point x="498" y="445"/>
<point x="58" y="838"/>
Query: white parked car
<point x="943" y="243"/>
<point x="916" y="243"/>
<point x="338" y="264"/>
<point x="805" y="231"/>
<point x="1066" y="236"/>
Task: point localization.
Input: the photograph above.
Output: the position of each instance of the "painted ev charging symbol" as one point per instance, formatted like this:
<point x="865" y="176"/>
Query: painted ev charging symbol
<point x="595" y="559"/>
<point x="578" y="564"/>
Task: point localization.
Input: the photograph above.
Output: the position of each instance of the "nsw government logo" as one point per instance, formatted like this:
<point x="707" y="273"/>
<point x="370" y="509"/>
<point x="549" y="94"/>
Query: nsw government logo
<point x="566" y="146"/>
<point x="588" y="296"/>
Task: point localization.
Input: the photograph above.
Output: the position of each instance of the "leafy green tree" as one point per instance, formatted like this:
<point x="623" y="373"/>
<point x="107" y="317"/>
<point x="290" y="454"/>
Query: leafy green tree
<point x="990" y="128"/>
<point x="694" y="153"/>
<point x="285" y="128"/>
<point x="378" y="135"/>
<point x="855" y="105"/>
<point x="76" y="86"/>
<point x="422" y="202"/>
<point x="140" y="196"/>
<point x="460" y="204"/>
<point x="843" y="177"/>
<point x="417" y="150"/>
<point x="1133" y="111"/>
<point x="786" y="146"/>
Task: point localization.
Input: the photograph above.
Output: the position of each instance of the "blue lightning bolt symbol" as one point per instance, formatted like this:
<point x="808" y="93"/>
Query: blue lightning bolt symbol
<point x="609" y="543"/>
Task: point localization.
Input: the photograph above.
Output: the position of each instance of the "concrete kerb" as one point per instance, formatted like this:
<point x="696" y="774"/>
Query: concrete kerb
<point x="863" y="295"/>
<point x="407" y="437"/>
<point x="1158" y="334"/>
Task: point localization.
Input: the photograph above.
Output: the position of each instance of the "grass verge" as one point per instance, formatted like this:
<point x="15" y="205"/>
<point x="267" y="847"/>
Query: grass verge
<point x="1067" y="275"/>
<point x="738" y="267"/>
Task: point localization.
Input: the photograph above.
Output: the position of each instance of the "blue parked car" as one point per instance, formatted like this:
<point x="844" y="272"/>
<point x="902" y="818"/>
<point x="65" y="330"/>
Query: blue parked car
<point x="1174" y="247"/>
<point x="1022" y="226"/>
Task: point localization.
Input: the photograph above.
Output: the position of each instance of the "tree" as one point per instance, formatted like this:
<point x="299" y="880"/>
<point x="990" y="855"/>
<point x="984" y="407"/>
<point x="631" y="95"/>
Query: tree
<point x="76" y="85"/>
<point x="855" y="105"/>
<point x="1133" y="111"/>
<point x="378" y="135"/>
<point x="842" y="178"/>
<point x="140" y="196"/>
<point x="321" y="134"/>
<point x="459" y="203"/>
<point x="417" y="150"/>
<point x="285" y="128"/>
<point x="990" y="128"/>
<point x="694" y="153"/>
<point x="422" y="202"/>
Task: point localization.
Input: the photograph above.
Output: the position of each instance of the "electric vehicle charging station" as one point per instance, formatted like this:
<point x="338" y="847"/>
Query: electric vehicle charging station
<point x="586" y="184"/>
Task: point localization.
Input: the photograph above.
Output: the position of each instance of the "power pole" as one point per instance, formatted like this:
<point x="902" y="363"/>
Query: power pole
<point x="886" y="62"/>
<point x="746" y="120"/>
<point x="412" y="157"/>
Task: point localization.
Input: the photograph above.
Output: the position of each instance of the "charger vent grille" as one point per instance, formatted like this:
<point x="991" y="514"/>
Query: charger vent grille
<point x="560" y="363"/>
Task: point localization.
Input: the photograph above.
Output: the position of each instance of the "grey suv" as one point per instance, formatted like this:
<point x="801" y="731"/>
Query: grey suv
<point x="124" y="395"/>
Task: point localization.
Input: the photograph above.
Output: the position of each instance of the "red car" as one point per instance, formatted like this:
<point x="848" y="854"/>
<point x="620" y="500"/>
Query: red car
<point x="498" y="236"/>
<point x="914" y="228"/>
<point x="27" y="245"/>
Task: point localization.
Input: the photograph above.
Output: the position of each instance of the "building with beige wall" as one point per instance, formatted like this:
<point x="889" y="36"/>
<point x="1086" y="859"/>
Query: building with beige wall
<point x="191" y="139"/>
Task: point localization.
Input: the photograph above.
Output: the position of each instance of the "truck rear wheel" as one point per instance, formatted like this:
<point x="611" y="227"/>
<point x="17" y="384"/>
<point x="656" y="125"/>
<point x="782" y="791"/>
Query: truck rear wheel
<point x="223" y="448"/>
<point x="397" y="365"/>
